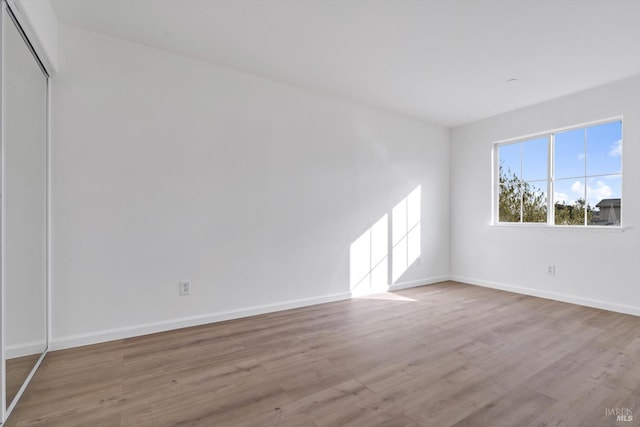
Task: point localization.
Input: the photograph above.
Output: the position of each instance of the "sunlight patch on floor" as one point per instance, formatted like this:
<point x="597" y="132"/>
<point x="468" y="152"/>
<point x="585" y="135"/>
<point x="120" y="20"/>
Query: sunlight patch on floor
<point x="387" y="296"/>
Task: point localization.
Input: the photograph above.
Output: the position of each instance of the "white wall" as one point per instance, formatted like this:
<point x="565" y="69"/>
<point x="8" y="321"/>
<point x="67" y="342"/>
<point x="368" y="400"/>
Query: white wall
<point x="40" y="23"/>
<point x="593" y="267"/>
<point x="167" y="168"/>
<point x="23" y="197"/>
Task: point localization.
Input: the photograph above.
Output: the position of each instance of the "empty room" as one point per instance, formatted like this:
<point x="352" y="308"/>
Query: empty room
<point x="320" y="213"/>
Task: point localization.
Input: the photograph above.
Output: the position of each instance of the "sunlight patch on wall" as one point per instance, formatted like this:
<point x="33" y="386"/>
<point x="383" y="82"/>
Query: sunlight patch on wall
<point x="369" y="259"/>
<point x="405" y="230"/>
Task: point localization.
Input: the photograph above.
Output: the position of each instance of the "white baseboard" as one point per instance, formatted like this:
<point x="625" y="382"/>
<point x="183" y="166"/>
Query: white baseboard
<point x="397" y="286"/>
<point x="25" y="349"/>
<point x="605" y="305"/>
<point x="185" y="322"/>
<point x="421" y="282"/>
<point x="150" y="328"/>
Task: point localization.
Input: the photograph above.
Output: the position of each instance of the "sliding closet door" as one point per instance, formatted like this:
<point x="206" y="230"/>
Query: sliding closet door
<point x="24" y="208"/>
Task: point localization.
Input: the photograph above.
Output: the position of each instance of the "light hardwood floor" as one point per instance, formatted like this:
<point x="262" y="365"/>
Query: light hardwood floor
<point x="17" y="371"/>
<point x="442" y="355"/>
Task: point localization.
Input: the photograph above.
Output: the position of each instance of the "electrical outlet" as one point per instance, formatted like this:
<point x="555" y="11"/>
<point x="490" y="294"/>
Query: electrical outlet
<point x="185" y="287"/>
<point x="418" y="262"/>
<point x="551" y="270"/>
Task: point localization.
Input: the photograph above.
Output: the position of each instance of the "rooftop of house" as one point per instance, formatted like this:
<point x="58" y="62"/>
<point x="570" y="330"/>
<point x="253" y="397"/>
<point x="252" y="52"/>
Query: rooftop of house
<point x="608" y="203"/>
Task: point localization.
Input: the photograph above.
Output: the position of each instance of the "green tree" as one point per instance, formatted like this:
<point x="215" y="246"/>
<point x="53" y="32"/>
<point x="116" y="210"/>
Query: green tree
<point x="573" y="214"/>
<point x="519" y="201"/>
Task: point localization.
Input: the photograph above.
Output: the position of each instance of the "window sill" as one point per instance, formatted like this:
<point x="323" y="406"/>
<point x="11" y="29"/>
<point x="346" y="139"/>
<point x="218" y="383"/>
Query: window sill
<point x="597" y="228"/>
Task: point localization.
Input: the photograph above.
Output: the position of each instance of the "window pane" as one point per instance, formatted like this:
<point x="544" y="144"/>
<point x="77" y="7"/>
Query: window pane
<point x="569" y="201"/>
<point x="604" y="197"/>
<point x="509" y="160"/>
<point x="534" y="159"/>
<point x="534" y="201"/>
<point x="509" y="202"/>
<point x="604" y="149"/>
<point x="569" y="154"/>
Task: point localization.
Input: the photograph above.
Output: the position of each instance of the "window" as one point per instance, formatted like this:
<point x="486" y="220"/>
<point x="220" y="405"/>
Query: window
<point x="581" y="167"/>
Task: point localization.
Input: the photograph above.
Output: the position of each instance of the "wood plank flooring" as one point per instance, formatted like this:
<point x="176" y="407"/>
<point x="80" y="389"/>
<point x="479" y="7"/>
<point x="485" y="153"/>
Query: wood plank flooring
<point x="448" y="354"/>
<point x="17" y="371"/>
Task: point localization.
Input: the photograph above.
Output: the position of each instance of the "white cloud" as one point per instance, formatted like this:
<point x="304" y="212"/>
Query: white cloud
<point x="601" y="191"/>
<point x="616" y="149"/>
<point x="581" y="156"/>
<point x="562" y="197"/>
<point x="578" y="188"/>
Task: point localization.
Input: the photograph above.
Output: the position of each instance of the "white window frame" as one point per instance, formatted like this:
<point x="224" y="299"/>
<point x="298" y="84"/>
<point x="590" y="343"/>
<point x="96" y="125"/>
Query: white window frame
<point x="550" y="135"/>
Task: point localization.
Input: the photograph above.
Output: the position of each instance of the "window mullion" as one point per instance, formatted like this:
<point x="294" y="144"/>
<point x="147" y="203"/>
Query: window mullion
<point x="551" y="212"/>
<point x="585" y="177"/>
<point x="521" y="183"/>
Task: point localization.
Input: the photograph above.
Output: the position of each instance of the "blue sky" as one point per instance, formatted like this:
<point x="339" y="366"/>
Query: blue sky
<point x="594" y="152"/>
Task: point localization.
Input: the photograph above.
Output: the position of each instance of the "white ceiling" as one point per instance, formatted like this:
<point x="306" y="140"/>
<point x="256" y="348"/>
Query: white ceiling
<point x="446" y="61"/>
